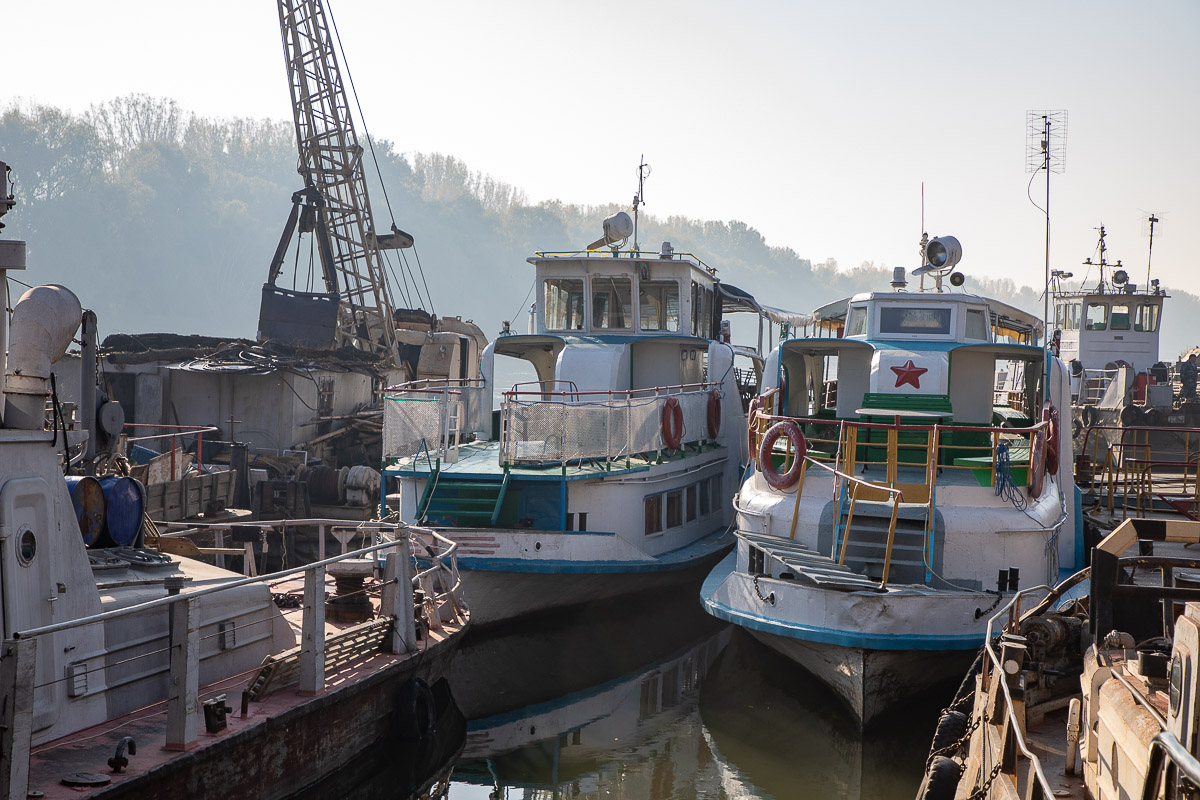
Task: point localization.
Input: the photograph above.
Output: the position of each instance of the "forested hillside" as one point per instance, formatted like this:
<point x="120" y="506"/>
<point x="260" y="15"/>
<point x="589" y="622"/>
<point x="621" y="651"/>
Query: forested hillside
<point x="164" y="221"/>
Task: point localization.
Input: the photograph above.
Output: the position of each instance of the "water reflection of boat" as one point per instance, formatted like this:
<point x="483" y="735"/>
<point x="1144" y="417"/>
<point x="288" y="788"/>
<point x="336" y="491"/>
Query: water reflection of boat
<point x="753" y="699"/>
<point x="587" y="704"/>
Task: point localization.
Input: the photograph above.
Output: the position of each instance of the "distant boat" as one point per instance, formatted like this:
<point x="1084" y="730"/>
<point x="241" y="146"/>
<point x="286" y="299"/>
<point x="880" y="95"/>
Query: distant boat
<point x="895" y="495"/>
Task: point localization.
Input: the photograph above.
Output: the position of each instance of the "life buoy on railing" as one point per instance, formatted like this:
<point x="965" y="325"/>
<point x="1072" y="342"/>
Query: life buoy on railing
<point x="752" y="425"/>
<point x="714" y="413"/>
<point x="799" y="448"/>
<point x="672" y="423"/>
<point x="1037" y="463"/>
<point x="1050" y="417"/>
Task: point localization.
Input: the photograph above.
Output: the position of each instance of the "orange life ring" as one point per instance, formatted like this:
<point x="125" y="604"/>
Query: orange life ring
<point x="799" y="447"/>
<point x="751" y="433"/>
<point x="1037" y="463"/>
<point x="672" y="423"/>
<point x="714" y="414"/>
<point x="1050" y="416"/>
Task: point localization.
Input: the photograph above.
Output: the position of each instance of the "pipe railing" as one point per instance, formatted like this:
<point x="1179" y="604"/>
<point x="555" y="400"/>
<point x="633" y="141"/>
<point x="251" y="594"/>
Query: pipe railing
<point x="184" y="624"/>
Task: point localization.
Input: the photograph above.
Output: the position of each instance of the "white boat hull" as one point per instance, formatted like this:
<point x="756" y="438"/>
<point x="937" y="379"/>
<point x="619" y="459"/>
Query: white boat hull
<point x="871" y="681"/>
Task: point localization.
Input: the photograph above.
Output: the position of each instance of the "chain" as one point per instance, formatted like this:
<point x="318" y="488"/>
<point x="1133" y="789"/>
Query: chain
<point x="769" y="598"/>
<point x="990" y="608"/>
<point x="981" y="792"/>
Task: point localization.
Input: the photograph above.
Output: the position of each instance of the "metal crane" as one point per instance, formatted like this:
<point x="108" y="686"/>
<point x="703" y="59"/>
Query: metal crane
<point x="356" y="308"/>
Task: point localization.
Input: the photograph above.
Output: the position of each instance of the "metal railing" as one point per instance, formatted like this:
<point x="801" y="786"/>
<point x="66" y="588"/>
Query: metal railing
<point x="424" y="420"/>
<point x="1151" y="468"/>
<point x="910" y="457"/>
<point x="543" y="426"/>
<point x="439" y="581"/>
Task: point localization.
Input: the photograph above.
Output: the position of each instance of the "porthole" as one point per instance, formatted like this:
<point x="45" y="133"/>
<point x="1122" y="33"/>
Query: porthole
<point x="1176" y="683"/>
<point x="26" y="547"/>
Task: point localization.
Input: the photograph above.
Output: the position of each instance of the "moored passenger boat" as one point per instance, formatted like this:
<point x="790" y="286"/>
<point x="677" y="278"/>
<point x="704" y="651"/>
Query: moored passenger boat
<point x="896" y="497"/>
<point x="607" y="474"/>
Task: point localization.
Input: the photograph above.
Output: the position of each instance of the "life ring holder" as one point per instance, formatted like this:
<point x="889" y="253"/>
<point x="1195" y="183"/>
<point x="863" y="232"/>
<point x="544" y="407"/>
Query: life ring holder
<point x="1037" y="463"/>
<point x="714" y="414"/>
<point x="799" y="447"/>
<point x="672" y="424"/>
<point x="1050" y="417"/>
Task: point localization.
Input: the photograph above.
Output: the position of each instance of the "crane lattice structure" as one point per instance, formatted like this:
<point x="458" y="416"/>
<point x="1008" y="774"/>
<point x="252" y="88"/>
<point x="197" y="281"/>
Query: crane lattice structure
<point x="331" y="164"/>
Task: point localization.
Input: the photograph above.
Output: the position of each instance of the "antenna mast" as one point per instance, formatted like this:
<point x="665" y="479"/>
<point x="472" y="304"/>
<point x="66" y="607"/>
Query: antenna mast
<point x="1045" y="149"/>
<point x="1153" y="218"/>
<point x="639" y="199"/>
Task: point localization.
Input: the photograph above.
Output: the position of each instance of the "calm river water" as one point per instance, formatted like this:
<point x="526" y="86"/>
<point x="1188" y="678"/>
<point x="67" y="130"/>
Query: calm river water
<point x="646" y="699"/>
<point x="653" y="699"/>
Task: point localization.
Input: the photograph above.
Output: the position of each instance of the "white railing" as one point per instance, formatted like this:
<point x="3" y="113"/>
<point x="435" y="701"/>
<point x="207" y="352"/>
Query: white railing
<point x="546" y="427"/>
<point x="440" y="582"/>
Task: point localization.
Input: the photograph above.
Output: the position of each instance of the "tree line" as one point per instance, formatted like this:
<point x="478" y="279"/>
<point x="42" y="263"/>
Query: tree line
<point x="163" y="220"/>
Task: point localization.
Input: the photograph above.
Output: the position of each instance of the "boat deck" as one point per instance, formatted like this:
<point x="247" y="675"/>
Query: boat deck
<point x="811" y="567"/>
<point x="357" y="659"/>
<point x="481" y="461"/>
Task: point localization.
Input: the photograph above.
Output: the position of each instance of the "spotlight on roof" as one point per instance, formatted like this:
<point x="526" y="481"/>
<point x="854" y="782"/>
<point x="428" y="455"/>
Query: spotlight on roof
<point x="617" y="228"/>
<point x="943" y="252"/>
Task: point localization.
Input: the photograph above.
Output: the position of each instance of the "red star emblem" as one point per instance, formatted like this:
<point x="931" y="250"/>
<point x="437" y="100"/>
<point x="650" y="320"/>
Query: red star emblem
<point x="910" y="374"/>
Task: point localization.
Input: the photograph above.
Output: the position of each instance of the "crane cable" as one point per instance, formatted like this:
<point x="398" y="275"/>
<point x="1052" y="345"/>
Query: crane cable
<point x="371" y="145"/>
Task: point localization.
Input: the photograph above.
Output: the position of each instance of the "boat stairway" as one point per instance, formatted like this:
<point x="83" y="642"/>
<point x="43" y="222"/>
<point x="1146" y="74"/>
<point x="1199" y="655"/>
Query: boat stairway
<point x="462" y="503"/>
<point x="808" y="566"/>
<point x="866" y="549"/>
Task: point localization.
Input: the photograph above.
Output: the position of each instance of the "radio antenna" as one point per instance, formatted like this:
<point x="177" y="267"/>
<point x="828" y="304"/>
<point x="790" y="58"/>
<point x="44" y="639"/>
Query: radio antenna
<point x="1045" y="149"/>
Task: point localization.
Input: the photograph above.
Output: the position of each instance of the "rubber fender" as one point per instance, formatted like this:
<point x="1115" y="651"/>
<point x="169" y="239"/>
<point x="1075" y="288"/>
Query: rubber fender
<point x="950" y="728"/>
<point x="416" y="710"/>
<point x="941" y="780"/>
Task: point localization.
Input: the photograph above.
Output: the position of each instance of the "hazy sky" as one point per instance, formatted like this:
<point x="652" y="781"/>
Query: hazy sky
<point x="813" y="122"/>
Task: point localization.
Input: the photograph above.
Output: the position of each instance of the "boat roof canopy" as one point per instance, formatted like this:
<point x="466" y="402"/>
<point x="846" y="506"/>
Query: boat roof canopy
<point x="735" y="300"/>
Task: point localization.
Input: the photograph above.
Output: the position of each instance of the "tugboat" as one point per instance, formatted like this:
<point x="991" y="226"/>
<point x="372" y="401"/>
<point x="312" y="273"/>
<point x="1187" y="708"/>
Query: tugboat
<point x="894" y="496"/>
<point x="608" y="473"/>
<point x="1092" y="692"/>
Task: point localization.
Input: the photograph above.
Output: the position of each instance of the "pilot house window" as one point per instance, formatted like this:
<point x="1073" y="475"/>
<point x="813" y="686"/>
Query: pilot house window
<point x="658" y="305"/>
<point x="1146" y="317"/>
<point x="612" y="303"/>
<point x="914" y="320"/>
<point x="564" y="304"/>
<point x="1097" y="316"/>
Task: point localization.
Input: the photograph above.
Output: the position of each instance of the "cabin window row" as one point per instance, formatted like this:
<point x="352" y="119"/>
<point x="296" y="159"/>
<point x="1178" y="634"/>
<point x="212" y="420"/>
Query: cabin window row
<point x="676" y="507"/>
<point x="1099" y="316"/>
<point x="566" y="304"/>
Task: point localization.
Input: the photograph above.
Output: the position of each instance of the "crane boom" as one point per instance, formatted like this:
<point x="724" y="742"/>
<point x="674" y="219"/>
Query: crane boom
<point x="331" y="165"/>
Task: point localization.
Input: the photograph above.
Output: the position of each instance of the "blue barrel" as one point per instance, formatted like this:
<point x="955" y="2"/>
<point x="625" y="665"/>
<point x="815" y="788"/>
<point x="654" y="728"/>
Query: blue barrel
<point x="125" y="500"/>
<point x="87" y="498"/>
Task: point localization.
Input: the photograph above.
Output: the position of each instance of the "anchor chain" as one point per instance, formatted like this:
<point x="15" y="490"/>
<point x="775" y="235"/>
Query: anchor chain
<point x="769" y="598"/>
<point x="981" y="792"/>
<point x="990" y="608"/>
